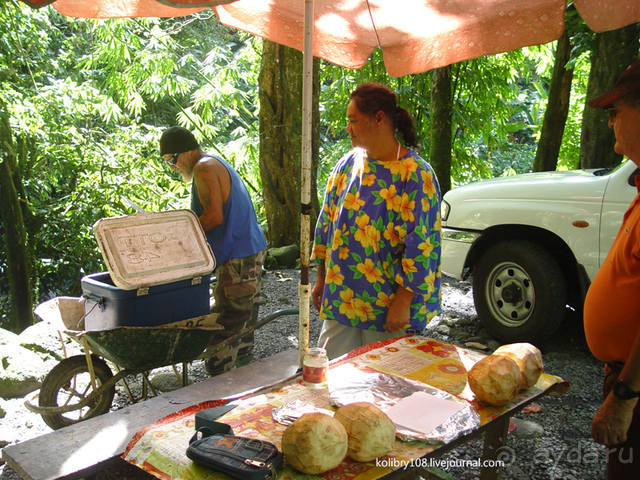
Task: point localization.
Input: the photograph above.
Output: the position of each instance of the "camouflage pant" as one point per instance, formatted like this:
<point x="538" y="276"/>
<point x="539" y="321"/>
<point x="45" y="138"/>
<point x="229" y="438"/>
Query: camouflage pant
<point x="237" y="298"/>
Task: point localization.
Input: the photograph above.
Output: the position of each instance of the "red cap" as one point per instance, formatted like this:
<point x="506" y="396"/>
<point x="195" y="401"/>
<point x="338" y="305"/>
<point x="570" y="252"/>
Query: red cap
<point x="628" y="82"/>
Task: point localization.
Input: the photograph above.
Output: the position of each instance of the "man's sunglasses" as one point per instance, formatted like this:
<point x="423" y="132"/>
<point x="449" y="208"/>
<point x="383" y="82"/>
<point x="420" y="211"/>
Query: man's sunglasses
<point x="172" y="160"/>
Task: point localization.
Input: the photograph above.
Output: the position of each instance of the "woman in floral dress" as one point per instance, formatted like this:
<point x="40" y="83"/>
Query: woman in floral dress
<point x="377" y="239"/>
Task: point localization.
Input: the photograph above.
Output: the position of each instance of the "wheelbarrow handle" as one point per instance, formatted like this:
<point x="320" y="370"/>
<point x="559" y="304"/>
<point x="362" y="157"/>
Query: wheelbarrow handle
<point x="277" y="314"/>
<point x="212" y="349"/>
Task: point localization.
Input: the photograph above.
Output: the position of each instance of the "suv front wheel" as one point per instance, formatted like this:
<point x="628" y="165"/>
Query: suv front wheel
<point x="519" y="292"/>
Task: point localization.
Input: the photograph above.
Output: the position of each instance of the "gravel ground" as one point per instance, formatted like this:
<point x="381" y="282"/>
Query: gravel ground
<point x="548" y="444"/>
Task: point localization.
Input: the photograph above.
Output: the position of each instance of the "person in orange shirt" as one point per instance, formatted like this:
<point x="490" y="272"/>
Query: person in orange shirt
<point x="612" y="305"/>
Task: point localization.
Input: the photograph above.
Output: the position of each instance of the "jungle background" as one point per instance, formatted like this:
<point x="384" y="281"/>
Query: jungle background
<point x="83" y="104"/>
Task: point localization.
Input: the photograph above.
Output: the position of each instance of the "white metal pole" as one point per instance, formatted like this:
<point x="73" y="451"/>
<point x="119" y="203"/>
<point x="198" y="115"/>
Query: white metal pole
<point x="304" y="288"/>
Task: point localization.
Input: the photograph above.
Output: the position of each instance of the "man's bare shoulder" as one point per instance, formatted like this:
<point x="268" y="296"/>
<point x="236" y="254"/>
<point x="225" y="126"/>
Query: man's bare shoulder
<point x="209" y="166"/>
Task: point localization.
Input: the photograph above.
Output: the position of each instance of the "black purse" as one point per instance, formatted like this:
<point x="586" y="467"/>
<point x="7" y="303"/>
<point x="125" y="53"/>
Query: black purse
<point x="238" y="457"/>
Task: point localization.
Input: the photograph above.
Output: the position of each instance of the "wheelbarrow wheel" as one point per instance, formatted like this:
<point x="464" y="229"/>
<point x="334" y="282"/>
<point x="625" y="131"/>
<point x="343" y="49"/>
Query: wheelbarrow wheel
<point x="68" y="383"/>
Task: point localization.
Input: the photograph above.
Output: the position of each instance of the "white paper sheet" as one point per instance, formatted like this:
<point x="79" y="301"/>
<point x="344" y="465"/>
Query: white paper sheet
<point x="422" y="412"/>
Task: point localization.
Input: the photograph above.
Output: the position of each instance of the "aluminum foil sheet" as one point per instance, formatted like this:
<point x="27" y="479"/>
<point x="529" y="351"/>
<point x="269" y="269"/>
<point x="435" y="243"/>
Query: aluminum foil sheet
<point x="348" y="384"/>
<point x="289" y="412"/>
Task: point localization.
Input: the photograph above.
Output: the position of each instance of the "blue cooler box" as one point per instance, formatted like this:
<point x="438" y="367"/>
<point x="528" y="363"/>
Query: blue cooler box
<point x="159" y="271"/>
<point x="108" y="306"/>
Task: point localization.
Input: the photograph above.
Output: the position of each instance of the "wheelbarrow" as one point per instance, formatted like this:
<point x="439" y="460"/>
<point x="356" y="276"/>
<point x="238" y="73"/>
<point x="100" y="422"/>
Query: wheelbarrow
<point x="83" y="386"/>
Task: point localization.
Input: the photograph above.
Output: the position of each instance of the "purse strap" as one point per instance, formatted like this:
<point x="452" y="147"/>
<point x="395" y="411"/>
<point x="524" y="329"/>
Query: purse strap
<point x="214" y="429"/>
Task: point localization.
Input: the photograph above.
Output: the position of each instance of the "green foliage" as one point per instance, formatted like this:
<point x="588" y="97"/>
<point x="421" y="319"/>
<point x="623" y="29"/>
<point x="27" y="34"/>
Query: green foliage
<point x="498" y="105"/>
<point x="569" y="155"/>
<point x="226" y="105"/>
<point x="91" y="99"/>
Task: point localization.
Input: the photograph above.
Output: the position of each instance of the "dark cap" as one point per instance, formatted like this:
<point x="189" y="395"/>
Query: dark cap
<point x="628" y="82"/>
<point x="177" y="140"/>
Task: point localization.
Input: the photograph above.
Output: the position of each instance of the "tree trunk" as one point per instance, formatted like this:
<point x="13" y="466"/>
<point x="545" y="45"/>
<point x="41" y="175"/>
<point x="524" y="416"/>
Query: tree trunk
<point x="15" y="234"/>
<point x="280" y="86"/>
<point x="613" y="51"/>
<point x="555" y="116"/>
<point x="440" y="145"/>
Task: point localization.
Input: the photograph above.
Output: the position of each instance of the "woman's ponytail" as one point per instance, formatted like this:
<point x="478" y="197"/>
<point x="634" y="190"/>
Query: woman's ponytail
<point x="403" y="123"/>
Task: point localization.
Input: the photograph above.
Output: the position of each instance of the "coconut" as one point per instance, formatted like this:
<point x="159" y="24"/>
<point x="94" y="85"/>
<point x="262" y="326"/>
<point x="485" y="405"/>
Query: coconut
<point x="314" y="443"/>
<point x="528" y="358"/>
<point x="495" y="379"/>
<point x="371" y="433"/>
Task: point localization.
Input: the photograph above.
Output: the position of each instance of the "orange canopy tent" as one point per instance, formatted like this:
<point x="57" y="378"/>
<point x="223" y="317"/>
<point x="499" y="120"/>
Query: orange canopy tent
<point x="414" y="35"/>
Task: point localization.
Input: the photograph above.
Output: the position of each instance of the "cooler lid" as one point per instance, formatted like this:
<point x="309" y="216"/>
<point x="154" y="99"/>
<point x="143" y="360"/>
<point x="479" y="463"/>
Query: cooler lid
<point x="153" y="248"/>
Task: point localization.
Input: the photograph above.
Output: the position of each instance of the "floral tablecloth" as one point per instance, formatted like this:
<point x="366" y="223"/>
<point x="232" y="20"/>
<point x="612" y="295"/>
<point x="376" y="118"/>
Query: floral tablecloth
<point x="160" y="448"/>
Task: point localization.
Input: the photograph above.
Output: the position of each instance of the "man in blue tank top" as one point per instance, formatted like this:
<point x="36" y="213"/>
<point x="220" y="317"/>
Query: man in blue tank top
<point x="226" y="214"/>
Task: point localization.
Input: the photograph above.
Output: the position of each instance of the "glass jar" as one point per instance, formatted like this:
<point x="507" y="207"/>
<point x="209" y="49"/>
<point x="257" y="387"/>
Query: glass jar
<point x="314" y="367"/>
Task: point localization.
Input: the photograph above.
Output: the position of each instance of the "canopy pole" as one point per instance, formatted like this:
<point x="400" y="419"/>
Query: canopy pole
<point x="304" y="288"/>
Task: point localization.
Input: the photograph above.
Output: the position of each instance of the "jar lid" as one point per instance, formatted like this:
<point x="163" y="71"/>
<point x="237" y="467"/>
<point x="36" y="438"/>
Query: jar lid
<point x="317" y="351"/>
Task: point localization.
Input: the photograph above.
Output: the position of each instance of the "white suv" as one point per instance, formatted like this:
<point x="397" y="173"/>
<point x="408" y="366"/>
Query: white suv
<point x="532" y="243"/>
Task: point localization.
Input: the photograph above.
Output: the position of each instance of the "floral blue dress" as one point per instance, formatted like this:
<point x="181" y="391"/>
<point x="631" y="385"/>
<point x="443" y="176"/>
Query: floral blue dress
<point x="379" y="228"/>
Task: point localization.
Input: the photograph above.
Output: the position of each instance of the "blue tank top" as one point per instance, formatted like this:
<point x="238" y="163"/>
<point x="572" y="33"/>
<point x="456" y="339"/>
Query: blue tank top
<point x="239" y="235"/>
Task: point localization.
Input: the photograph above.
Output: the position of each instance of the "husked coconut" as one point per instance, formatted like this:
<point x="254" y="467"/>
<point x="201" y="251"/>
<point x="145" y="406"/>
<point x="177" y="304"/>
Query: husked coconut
<point x="371" y="433"/>
<point x="528" y="358"/>
<point x="314" y="443"/>
<point x="495" y="379"/>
